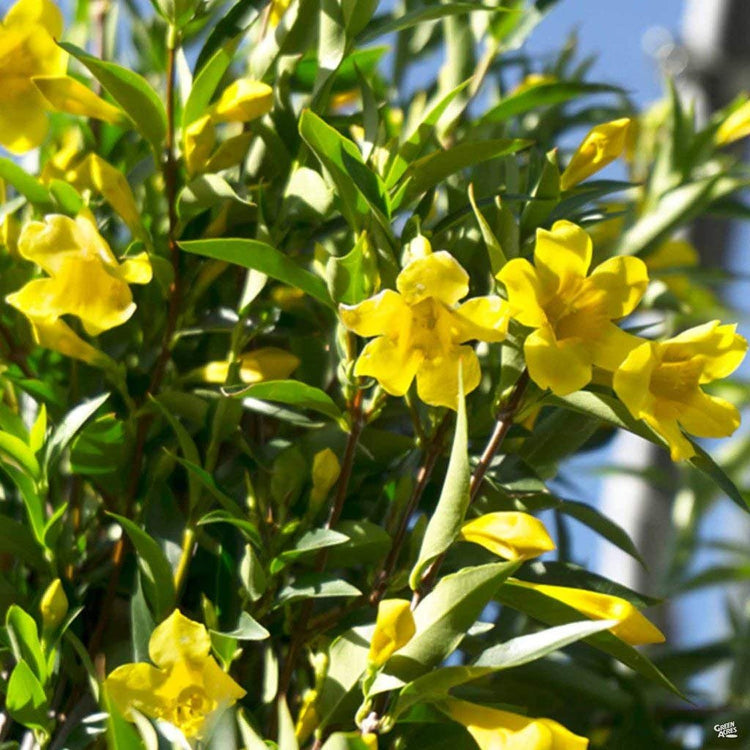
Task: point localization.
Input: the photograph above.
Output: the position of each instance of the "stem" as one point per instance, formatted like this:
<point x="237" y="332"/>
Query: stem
<point x="144" y="420"/>
<point x="434" y="450"/>
<point x="502" y="425"/>
<point x="300" y="629"/>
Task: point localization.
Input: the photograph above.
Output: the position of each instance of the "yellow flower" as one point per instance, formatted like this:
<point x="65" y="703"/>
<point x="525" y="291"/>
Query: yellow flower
<point x="512" y="535"/>
<point x="85" y="279"/>
<point x="603" y="144"/>
<point x="420" y="330"/>
<point x="660" y="383"/>
<point x="184" y="688"/>
<point x="572" y="313"/>
<point x="493" y="729"/>
<point x="394" y="628"/>
<point x="242" y="101"/>
<point x="736" y="126"/>
<point x="27" y="49"/>
<point x="54" y="605"/>
<point x="632" y="627"/>
<point x="267" y="363"/>
<point x="325" y="473"/>
<point x="670" y="255"/>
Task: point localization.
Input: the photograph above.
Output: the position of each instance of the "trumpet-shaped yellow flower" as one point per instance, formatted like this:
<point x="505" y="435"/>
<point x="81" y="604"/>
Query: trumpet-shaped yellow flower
<point x="601" y="146"/>
<point x="184" y="688"/>
<point x="632" y="626"/>
<point x="736" y="126"/>
<point x="84" y="279"/>
<point x="572" y="312"/>
<point x="660" y="382"/>
<point x="509" y="534"/>
<point x="27" y="49"/>
<point x="420" y="330"/>
<point x="267" y="363"/>
<point x="394" y="628"/>
<point x="493" y="729"/>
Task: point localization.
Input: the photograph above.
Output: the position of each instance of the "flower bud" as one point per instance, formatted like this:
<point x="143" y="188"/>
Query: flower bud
<point x="512" y="535"/>
<point x="601" y="146"/>
<point x="394" y="628"/>
<point x="325" y="472"/>
<point x="54" y="606"/>
<point x="242" y="101"/>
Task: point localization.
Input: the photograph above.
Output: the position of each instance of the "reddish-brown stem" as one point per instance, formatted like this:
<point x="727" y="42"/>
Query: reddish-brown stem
<point x="502" y="425"/>
<point x="434" y="450"/>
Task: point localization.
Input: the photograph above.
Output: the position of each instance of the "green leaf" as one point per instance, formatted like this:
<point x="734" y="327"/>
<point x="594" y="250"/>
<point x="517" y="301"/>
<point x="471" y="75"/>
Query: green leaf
<point x="424" y="132"/>
<point x="316" y="586"/>
<point x="313" y="540"/>
<point x="553" y="612"/>
<point x="360" y="190"/>
<point x="346" y="741"/>
<point x="232" y="25"/>
<point x="247" y="629"/>
<point x="494" y="249"/>
<point x="120" y="733"/>
<point x="544" y="95"/>
<point x="351" y="277"/>
<point x="432" y="169"/>
<point x="386" y="25"/>
<point x="154" y="565"/>
<point x="513" y="653"/>
<point x="444" y="615"/>
<point x="17" y="450"/>
<point x="287" y="737"/>
<point x="132" y="93"/>
<point x="264" y="258"/>
<point x="17" y="541"/>
<point x="205" y="192"/>
<point x="366" y="542"/>
<point x="70" y="425"/>
<point x="445" y="523"/>
<point x="293" y="393"/>
<point x="24" y="640"/>
<point x="602" y="525"/>
<point x="206" y="80"/>
<point x="25" y="699"/>
<point x="205" y="480"/>
<point x="24" y="183"/>
<point x="248" y="529"/>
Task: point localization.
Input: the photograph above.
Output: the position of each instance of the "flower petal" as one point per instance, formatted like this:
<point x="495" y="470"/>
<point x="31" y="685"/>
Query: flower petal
<point x="42" y="12"/>
<point x="622" y="282"/>
<point x="722" y="348"/>
<point x="632" y="628"/>
<point x="709" y="416"/>
<point x="393" y="366"/>
<point x="563" y="367"/>
<point x="563" y="254"/>
<point x="394" y="628"/>
<point x="632" y="379"/>
<point x="613" y="346"/>
<point x="509" y="534"/>
<point x="438" y="275"/>
<point x="437" y="377"/>
<point x="680" y="448"/>
<point x="219" y="685"/>
<point x="66" y="94"/>
<point x="483" y="319"/>
<point x="137" y="686"/>
<point x="23" y="121"/>
<point x="525" y="292"/>
<point x="382" y="314"/>
<point x="178" y="638"/>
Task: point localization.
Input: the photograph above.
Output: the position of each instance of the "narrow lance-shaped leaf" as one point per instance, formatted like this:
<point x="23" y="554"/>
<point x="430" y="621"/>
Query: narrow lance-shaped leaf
<point x="264" y="258"/>
<point x="445" y="523"/>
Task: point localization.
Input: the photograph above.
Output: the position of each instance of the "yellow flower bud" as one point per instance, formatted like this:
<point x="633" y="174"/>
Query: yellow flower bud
<point x="54" y="605"/>
<point x="308" y="718"/>
<point x="371" y="740"/>
<point x="736" y="126"/>
<point x="268" y="363"/>
<point x="601" y="146"/>
<point x="512" y="535"/>
<point x="633" y="627"/>
<point x="199" y="141"/>
<point x="66" y="94"/>
<point x="325" y="471"/>
<point x="394" y="628"/>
